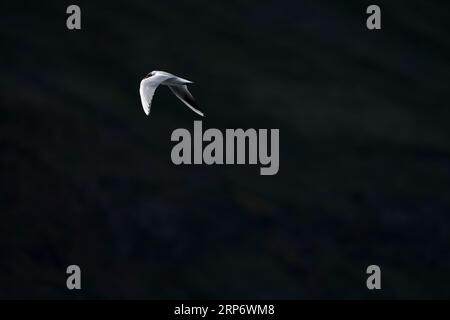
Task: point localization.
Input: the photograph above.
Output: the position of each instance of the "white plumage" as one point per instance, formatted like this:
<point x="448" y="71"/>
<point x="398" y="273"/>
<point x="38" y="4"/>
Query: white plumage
<point x="176" y="84"/>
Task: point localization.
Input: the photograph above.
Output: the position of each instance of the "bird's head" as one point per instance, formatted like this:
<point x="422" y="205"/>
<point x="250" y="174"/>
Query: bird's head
<point x="149" y="74"/>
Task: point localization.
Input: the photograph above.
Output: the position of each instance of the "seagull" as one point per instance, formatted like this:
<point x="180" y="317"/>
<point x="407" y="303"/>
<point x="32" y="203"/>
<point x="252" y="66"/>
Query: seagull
<point x="176" y="84"/>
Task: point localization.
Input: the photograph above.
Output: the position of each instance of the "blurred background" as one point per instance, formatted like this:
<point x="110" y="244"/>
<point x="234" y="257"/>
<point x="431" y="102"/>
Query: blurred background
<point x="86" y="178"/>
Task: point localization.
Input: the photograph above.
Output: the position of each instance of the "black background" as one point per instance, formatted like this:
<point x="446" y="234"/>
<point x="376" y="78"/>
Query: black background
<point x="86" y="178"/>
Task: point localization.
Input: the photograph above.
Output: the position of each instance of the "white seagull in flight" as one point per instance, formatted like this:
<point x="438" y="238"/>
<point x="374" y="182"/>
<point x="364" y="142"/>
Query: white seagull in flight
<point x="176" y="84"/>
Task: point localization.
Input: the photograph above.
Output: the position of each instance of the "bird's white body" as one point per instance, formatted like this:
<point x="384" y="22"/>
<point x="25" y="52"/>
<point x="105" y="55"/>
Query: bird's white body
<point x="176" y="84"/>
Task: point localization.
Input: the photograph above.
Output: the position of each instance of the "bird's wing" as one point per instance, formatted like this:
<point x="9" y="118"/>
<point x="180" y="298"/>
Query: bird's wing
<point x="182" y="93"/>
<point x="147" y="90"/>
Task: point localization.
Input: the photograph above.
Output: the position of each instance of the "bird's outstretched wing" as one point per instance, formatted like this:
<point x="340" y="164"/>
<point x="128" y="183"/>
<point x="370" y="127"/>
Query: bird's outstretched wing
<point x="147" y="90"/>
<point x="182" y="93"/>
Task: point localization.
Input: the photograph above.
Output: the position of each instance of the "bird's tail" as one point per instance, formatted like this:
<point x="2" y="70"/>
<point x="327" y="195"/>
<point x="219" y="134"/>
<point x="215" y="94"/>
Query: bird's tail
<point x="179" y="80"/>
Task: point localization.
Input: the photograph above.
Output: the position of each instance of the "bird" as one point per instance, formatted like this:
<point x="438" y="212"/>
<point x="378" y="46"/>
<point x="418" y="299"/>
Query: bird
<point x="176" y="84"/>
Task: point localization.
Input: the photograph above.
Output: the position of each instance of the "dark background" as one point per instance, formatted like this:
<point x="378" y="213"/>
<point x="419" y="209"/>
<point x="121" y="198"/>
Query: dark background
<point x="86" y="178"/>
